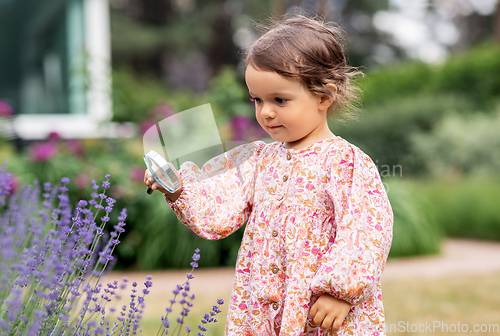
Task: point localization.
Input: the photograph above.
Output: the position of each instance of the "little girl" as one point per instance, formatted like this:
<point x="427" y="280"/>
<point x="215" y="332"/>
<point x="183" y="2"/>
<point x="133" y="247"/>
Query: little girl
<point x="319" y="224"/>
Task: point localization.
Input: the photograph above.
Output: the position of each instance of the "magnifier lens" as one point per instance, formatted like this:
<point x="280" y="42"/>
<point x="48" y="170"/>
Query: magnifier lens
<point x="163" y="171"/>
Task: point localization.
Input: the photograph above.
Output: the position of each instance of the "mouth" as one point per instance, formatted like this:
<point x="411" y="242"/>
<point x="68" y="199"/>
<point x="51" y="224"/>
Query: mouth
<point x="273" y="127"/>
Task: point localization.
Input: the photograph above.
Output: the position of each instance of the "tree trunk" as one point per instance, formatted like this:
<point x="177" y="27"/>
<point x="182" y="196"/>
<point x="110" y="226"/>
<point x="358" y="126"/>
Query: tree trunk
<point x="496" y="23"/>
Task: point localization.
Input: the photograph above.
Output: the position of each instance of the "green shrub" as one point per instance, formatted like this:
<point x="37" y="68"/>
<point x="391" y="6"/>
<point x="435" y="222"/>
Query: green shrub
<point x="383" y="131"/>
<point x="229" y="95"/>
<point x="407" y="120"/>
<point x="466" y="208"/>
<point x="415" y="231"/>
<point x="134" y="97"/>
<point x="164" y="242"/>
<point x="460" y="145"/>
<point x="472" y="73"/>
<point x="394" y="81"/>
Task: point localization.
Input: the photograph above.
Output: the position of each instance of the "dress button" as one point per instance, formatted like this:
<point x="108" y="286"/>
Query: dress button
<point x="275" y="233"/>
<point x="281" y="197"/>
<point x="275" y="269"/>
<point x="275" y="306"/>
<point x="288" y="156"/>
<point x="285" y="178"/>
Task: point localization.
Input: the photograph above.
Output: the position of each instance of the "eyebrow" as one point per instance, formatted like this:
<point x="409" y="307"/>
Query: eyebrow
<point x="284" y="93"/>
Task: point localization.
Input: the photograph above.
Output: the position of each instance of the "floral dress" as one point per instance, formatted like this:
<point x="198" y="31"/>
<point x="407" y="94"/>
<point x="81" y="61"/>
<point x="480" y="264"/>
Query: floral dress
<point x="318" y="221"/>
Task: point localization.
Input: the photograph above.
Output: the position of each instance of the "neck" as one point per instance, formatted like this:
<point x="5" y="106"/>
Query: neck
<point x="309" y="140"/>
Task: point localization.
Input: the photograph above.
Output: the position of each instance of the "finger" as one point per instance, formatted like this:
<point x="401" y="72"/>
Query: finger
<point x="327" y="322"/>
<point x="157" y="186"/>
<point x="337" y="323"/>
<point x="147" y="177"/>
<point x="313" y="310"/>
<point x="318" y="318"/>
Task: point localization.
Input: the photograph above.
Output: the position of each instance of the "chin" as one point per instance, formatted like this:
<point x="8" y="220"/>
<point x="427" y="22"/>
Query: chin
<point x="277" y="138"/>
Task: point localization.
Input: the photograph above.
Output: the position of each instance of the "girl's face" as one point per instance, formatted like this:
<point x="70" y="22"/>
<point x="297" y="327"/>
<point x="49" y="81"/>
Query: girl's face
<point x="287" y="110"/>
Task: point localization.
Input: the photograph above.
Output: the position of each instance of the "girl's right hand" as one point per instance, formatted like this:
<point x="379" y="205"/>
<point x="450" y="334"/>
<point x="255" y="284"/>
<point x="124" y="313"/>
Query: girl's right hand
<point x="150" y="182"/>
<point x="328" y="312"/>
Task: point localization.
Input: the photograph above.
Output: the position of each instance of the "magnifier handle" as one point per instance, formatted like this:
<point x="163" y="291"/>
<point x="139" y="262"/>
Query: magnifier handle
<point x="149" y="191"/>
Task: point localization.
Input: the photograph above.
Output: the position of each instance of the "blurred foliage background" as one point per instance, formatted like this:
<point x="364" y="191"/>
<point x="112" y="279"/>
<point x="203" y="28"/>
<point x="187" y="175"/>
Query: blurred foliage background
<point x="432" y="128"/>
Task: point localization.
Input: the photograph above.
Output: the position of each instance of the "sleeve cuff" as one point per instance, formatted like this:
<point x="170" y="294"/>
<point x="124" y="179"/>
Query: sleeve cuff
<point x="175" y="205"/>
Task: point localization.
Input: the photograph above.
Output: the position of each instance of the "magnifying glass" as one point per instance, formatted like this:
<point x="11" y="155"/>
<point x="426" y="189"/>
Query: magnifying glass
<point x="163" y="172"/>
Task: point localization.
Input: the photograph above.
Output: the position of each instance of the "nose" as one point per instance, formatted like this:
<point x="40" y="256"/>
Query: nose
<point x="267" y="111"/>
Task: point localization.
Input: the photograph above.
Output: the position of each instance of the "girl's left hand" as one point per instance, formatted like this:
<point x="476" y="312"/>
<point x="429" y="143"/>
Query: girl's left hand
<point x="329" y="312"/>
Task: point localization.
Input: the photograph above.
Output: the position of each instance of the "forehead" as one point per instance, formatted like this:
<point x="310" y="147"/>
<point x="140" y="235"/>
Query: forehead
<point x="262" y="81"/>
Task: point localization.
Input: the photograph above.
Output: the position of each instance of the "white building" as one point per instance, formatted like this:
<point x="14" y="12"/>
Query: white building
<point x="55" y="68"/>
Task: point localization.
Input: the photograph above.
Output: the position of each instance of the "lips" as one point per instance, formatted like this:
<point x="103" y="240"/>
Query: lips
<point x="273" y="127"/>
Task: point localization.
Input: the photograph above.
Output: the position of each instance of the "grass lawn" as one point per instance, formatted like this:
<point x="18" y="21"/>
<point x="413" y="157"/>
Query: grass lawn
<point x="469" y="300"/>
<point x="208" y="286"/>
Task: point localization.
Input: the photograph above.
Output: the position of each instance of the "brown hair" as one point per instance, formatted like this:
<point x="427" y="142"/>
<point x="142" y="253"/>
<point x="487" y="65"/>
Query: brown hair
<point x="310" y="50"/>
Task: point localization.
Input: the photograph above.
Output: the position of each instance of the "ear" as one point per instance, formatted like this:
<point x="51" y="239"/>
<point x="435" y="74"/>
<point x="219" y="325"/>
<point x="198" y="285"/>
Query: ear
<point x="325" y="101"/>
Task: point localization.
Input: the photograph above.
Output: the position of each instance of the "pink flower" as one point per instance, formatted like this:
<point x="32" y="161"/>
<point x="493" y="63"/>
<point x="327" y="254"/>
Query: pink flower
<point x="81" y="181"/>
<point x="75" y="147"/>
<point x="5" y="109"/>
<point x="146" y="125"/>
<point x="172" y="120"/>
<point x="163" y="110"/>
<point x="41" y="152"/>
<point x="54" y="137"/>
<point x="245" y="128"/>
<point x="242" y="306"/>
<point x="309" y="186"/>
<point x="117" y="192"/>
<point x="239" y="125"/>
<point x="378" y="227"/>
<point x="136" y="173"/>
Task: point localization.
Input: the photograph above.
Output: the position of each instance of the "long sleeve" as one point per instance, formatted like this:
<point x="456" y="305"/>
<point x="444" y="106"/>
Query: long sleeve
<point x="351" y="268"/>
<point x="217" y="199"/>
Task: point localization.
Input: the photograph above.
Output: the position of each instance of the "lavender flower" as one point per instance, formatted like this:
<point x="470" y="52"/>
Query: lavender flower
<point x="42" y="277"/>
<point x="209" y="319"/>
<point x="52" y="261"/>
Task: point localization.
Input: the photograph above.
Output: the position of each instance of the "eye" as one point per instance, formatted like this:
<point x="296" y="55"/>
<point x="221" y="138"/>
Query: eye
<point x="256" y="100"/>
<point x="280" y="101"/>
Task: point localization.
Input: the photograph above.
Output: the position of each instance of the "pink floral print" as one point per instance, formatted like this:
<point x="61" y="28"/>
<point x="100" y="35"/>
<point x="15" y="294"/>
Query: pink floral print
<point x="318" y="221"/>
